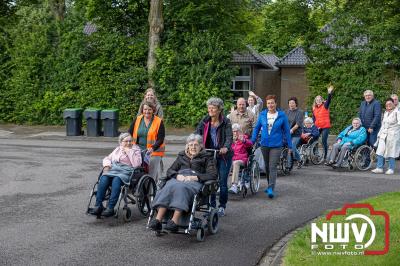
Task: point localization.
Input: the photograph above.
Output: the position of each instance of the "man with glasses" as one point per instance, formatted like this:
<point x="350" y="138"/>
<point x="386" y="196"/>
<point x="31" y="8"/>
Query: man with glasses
<point x="370" y="114"/>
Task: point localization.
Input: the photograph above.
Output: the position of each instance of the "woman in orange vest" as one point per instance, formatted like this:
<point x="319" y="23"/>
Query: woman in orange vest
<point x="321" y="117"/>
<point x="148" y="132"/>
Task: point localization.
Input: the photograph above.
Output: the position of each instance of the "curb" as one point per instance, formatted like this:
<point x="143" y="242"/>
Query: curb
<point x="274" y="256"/>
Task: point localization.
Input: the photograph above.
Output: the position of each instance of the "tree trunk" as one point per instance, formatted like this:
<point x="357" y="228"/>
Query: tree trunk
<point x="58" y="9"/>
<point x="156" y="23"/>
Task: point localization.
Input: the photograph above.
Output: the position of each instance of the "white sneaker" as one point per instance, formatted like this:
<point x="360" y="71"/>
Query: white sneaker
<point x="377" y="171"/>
<point x="247" y="185"/>
<point x="233" y="189"/>
<point x="221" y="211"/>
<point x="389" y="172"/>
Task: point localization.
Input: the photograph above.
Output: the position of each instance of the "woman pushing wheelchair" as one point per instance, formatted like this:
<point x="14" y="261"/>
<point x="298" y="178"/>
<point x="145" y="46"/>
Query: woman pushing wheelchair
<point x="185" y="177"/>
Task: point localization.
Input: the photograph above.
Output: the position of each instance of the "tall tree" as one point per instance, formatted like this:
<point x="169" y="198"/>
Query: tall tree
<point x="156" y="27"/>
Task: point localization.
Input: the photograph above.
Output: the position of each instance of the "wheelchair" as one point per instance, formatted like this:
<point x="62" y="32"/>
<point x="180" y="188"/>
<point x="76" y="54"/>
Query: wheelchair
<point x="312" y="151"/>
<point x="361" y="158"/>
<point x="285" y="165"/>
<point x="249" y="173"/>
<point x="141" y="191"/>
<point x="202" y="216"/>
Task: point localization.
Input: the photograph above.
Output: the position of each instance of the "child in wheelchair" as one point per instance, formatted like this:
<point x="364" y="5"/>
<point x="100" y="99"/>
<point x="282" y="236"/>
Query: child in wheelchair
<point x="240" y="146"/>
<point x="118" y="167"/>
<point x="186" y="177"/>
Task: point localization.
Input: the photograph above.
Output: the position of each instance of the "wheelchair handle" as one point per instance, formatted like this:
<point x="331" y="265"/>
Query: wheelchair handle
<point x="215" y="151"/>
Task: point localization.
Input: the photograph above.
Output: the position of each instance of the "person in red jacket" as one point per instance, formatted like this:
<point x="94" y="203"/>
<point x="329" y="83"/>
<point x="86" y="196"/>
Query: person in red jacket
<point x="321" y="117"/>
<point x="240" y="145"/>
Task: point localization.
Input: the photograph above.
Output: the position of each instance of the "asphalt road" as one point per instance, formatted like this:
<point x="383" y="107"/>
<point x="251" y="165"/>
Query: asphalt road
<point x="44" y="189"/>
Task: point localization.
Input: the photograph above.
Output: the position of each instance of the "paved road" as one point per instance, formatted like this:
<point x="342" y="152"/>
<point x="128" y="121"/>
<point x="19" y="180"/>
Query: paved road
<point x="44" y="187"/>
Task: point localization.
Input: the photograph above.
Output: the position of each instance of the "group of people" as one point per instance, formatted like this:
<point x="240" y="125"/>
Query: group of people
<point x="232" y="136"/>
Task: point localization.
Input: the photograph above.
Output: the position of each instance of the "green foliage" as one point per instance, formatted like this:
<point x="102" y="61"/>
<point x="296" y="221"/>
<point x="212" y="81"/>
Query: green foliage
<point x="286" y="25"/>
<point x="194" y="60"/>
<point x="361" y="54"/>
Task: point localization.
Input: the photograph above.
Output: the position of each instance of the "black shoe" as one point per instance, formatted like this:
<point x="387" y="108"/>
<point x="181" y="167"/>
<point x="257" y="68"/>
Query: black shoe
<point x="108" y="212"/>
<point x="96" y="210"/>
<point x="329" y="163"/>
<point x="171" y="226"/>
<point x="155" y="225"/>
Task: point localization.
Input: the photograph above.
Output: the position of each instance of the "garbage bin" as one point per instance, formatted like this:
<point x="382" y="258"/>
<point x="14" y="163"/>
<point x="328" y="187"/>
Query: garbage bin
<point x="93" y="122"/>
<point x="110" y="122"/>
<point x="73" y="117"/>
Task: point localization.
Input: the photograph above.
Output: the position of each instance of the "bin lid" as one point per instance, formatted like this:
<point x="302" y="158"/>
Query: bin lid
<point x="72" y="113"/>
<point x="92" y="113"/>
<point x="73" y="109"/>
<point x="110" y="110"/>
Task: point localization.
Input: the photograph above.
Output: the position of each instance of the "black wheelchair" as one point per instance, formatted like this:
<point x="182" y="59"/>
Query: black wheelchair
<point x="285" y="164"/>
<point x="312" y="151"/>
<point x="141" y="191"/>
<point x="249" y="173"/>
<point x="361" y="158"/>
<point x="202" y="215"/>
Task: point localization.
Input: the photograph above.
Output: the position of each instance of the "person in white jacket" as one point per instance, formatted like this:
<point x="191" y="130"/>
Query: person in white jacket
<point x="388" y="143"/>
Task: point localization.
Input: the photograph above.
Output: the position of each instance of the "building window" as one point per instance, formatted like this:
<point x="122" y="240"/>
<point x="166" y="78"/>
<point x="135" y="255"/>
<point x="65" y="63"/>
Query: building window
<point x="241" y="83"/>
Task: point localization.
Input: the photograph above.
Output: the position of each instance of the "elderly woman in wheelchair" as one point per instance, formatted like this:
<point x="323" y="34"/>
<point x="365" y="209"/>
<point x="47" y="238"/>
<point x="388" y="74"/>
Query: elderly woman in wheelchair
<point x="193" y="167"/>
<point x="118" y="167"/>
<point x="349" y="139"/>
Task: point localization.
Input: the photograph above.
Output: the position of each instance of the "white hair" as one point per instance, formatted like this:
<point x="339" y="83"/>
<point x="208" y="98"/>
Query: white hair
<point x="236" y="127"/>
<point x="195" y="137"/>
<point x="216" y="102"/>
<point x="308" y="120"/>
<point x="358" y="119"/>
<point x="123" y="136"/>
<point x="368" y="92"/>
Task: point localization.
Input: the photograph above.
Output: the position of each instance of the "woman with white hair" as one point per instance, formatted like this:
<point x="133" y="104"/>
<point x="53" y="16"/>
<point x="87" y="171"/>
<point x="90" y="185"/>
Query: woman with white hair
<point x="216" y="131"/>
<point x="388" y="144"/>
<point x="350" y="138"/>
<point x="185" y="177"/>
<point x="118" y="167"/>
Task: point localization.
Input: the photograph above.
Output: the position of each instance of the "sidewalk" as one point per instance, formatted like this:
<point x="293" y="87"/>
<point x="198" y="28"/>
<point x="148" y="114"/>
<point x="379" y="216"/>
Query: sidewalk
<point x="174" y="136"/>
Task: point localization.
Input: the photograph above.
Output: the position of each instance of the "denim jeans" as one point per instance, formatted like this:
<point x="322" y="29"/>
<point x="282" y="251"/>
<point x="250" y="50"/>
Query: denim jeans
<point x="325" y="134"/>
<point x="223" y="167"/>
<point x="381" y="162"/>
<point x="296" y="154"/>
<point x="104" y="182"/>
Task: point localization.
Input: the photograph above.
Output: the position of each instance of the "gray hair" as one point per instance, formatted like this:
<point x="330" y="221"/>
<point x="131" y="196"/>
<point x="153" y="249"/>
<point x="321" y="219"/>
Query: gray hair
<point x="123" y="136"/>
<point x="216" y="102"/>
<point x="358" y="119"/>
<point x="195" y="137"/>
<point x="368" y="92"/>
<point x="236" y="127"/>
<point x="308" y="120"/>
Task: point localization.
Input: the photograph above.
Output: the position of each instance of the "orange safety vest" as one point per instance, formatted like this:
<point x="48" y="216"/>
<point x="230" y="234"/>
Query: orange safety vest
<point x="151" y="135"/>
<point x="321" y="115"/>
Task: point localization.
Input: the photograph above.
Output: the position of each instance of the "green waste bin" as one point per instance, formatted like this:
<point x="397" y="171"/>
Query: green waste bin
<point x="93" y="122"/>
<point x="73" y="118"/>
<point x="110" y="122"/>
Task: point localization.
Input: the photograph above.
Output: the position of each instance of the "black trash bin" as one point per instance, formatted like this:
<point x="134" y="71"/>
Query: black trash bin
<point x="93" y="122"/>
<point x="110" y="122"/>
<point x="73" y="117"/>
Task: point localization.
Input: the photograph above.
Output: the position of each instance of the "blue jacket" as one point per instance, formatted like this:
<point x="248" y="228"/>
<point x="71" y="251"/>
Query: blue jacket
<point x="280" y="132"/>
<point x="356" y="137"/>
<point x="370" y="114"/>
<point x="313" y="130"/>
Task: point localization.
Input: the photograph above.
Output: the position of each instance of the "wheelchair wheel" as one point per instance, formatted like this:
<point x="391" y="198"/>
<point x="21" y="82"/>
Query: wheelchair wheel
<point x="284" y="162"/>
<point x="364" y="157"/>
<point x="145" y="193"/>
<point x="254" y="177"/>
<point x="200" y="234"/>
<point x="212" y="222"/>
<point x="317" y="153"/>
<point x="126" y="214"/>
